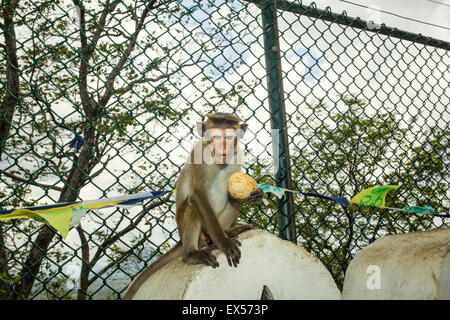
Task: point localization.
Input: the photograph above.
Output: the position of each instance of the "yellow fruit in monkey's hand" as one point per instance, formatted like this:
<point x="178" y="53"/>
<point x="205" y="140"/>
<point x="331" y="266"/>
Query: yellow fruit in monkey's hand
<point x="240" y="185"/>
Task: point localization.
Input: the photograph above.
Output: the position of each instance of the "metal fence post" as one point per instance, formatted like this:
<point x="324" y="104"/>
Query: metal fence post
<point x="286" y="222"/>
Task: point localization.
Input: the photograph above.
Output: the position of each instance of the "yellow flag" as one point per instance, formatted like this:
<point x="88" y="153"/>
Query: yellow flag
<point x="374" y="196"/>
<point x="58" y="218"/>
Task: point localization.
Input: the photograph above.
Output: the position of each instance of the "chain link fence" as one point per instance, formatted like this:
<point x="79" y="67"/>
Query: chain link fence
<point x="360" y="104"/>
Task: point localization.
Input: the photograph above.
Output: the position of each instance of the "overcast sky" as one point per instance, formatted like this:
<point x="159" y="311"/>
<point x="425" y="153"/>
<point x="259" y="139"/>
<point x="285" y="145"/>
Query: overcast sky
<point x="430" y="11"/>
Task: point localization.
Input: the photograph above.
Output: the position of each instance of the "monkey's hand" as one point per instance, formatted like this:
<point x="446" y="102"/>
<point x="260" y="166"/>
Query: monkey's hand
<point x="231" y="249"/>
<point x="256" y="195"/>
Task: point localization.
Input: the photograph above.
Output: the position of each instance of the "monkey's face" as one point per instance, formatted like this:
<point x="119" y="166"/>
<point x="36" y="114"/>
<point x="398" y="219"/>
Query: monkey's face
<point x="224" y="141"/>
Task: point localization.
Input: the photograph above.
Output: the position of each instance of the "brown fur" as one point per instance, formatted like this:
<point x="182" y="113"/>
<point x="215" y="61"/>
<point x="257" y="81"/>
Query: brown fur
<point x="204" y="209"/>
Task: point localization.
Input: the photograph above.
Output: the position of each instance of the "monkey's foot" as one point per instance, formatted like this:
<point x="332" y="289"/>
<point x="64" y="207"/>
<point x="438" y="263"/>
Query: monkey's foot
<point x="203" y="256"/>
<point x="234" y="232"/>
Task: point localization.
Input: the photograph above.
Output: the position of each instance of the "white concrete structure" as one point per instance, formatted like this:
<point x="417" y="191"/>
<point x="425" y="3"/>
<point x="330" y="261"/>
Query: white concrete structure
<point x="285" y="268"/>
<point x="415" y="265"/>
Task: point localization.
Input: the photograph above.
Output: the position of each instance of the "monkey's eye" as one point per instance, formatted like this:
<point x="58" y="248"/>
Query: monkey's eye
<point x="229" y="138"/>
<point x="217" y="137"/>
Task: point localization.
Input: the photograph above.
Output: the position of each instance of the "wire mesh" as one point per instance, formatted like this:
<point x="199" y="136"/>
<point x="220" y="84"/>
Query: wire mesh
<point x="363" y="107"/>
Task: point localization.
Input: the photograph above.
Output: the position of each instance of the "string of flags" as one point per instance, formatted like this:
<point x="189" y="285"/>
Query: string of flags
<point x="375" y="197"/>
<point x="63" y="216"/>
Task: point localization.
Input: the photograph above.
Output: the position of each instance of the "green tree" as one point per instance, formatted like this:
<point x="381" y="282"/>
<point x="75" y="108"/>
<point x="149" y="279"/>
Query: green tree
<point x="93" y="81"/>
<point x="350" y="149"/>
<point x="112" y="73"/>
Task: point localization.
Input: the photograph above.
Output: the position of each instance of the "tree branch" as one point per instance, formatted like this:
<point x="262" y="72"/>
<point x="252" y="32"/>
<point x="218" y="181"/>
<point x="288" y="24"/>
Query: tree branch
<point x="109" y="90"/>
<point x="114" y="262"/>
<point x="99" y="171"/>
<point x="7" y="108"/>
<point x="12" y="70"/>
<point x="112" y="238"/>
<point x="84" y="272"/>
<point x="90" y="108"/>
<point x="29" y="181"/>
<point x="14" y="3"/>
<point x="124" y="90"/>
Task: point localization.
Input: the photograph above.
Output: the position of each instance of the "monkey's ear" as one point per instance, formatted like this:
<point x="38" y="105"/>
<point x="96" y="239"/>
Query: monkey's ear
<point x="201" y="128"/>
<point x="242" y="128"/>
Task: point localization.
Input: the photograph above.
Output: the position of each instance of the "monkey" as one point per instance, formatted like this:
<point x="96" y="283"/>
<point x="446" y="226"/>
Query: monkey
<point x="205" y="212"/>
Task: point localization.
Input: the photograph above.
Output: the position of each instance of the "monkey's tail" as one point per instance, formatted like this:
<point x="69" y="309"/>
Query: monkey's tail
<point x="173" y="253"/>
